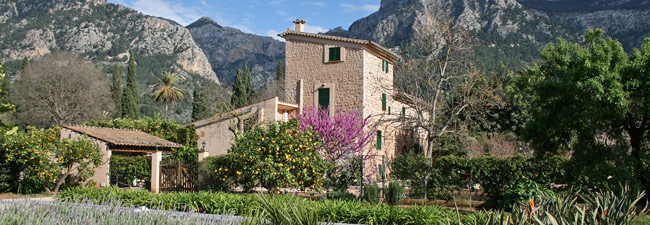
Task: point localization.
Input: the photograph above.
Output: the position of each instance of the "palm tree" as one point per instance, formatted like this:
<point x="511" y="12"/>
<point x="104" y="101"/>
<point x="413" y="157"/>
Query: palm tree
<point x="165" y="91"/>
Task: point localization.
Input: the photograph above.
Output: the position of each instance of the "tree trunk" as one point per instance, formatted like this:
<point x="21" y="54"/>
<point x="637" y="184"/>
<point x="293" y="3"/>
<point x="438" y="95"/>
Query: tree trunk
<point x="166" y="105"/>
<point x="636" y="136"/>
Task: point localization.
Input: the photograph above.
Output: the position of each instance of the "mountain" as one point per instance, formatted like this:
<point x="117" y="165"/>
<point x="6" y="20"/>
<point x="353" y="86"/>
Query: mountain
<point x="228" y="49"/>
<point x="626" y="20"/>
<point x="105" y="33"/>
<point x="507" y="31"/>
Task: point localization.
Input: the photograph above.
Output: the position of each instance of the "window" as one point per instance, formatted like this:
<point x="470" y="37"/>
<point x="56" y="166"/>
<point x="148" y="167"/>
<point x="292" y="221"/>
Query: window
<point x="403" y="112"/>
<point x="324" y="97"/>
<point x="334" y="54"/>
<point x="388" y="110"/>
<point x="383" y="101"/>
<point x="385" y="65"/>
<point x="378" y="140"/>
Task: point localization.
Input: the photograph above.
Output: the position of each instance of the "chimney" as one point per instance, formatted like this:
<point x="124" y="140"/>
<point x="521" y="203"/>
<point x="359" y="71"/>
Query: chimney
<point x="300" y="25"/>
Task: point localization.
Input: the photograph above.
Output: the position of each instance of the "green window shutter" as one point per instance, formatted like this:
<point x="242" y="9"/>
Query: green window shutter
<point x="388" y="110"/>
<point x="404" y="112"/>
<point x="383" y="65"/>
<point x="324" y="97"/>
<point x="378" y="140"/>
<point x="383" y="101"/>
<point x="335" y="54"/>
<point x="387" y="66"/>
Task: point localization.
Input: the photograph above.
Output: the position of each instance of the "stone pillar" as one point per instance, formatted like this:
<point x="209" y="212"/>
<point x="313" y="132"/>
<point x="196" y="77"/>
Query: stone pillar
<point x="203" y="155"/>
<point x="156" y="157"/>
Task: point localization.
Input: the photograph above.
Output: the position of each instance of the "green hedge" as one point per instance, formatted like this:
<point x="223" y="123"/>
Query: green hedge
<point x="498" y="175"/>
<point x="223" y="203"/>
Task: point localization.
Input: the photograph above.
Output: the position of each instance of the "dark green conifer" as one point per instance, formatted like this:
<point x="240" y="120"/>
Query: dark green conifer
<point x="199" y="105"/>
<point x="116" y="90"/>
<point x="131" y="101"/>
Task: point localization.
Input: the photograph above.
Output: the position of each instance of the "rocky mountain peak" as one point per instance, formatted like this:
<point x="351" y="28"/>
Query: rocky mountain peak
<point x="229" y="49"/>
<point x="204" y="21"/>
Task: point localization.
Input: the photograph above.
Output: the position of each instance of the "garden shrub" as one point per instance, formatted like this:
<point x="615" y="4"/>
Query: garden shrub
<point x="499" y="175"/>
<point x="39" y="160"/>
<point x="416" y="168"/>
<point x="278" y="157"/>
<point x="353" y="212"/>
<point x="371" y="193"/>
<point x="209" y="179"/>
<point x="394" y="193"/>
<point x="124" y="169"/>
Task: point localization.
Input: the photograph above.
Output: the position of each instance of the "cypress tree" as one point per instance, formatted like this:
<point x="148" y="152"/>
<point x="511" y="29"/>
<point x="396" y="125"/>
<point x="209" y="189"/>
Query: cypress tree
<point x="131" y="101"/>
<point x="279" y="79"/>
<point x="116" y="90"/>
<point x="239" y="93"/>
<point x="242" y="90"/>
<point x="199" y="105"/>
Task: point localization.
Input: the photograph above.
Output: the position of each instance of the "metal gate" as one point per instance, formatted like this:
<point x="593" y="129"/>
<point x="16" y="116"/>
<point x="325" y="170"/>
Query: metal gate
<point x="178" y="176"/>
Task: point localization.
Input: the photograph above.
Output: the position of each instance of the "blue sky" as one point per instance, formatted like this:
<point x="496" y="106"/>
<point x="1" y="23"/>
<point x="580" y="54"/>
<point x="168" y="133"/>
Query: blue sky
<point x="261" y="17"/>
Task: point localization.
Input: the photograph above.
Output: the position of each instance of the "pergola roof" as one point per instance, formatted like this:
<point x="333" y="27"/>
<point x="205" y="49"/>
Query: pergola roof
<point x="124" y="137"/>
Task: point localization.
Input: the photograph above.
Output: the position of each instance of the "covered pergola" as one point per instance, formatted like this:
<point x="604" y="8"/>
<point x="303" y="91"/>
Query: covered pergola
<point x="115" y="140"/>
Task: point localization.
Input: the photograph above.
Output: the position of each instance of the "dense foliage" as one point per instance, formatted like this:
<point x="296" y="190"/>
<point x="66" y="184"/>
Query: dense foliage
<point x="124" y="169"/>
<point x="355" y="212"/>
<point x="590" y="100"/>
<point x="276" y="157"/>
<point x="38" y="160"/>
<point x="503" y="180"/>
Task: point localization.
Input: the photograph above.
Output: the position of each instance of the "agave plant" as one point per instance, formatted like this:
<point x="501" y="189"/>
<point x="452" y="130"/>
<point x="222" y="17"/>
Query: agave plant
<point x="602" y="208"/>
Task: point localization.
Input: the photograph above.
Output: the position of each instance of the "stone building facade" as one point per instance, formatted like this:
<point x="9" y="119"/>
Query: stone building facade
<point x="216" y="134"/>
<point x="349" y="74"/>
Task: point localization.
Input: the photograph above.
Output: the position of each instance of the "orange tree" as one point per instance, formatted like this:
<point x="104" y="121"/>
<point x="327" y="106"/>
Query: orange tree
<point x="279" y="156"/>
<point x="40" y="161"/>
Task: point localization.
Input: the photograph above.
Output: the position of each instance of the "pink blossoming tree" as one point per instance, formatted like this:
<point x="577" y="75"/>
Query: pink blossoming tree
<point x="343" y="138"/>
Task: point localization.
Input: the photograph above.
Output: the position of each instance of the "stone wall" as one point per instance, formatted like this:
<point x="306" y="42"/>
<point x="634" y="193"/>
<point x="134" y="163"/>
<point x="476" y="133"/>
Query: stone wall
<point x="216" y="131"/>
<point x="101" y="176"/>
<point x="304" y="61"/>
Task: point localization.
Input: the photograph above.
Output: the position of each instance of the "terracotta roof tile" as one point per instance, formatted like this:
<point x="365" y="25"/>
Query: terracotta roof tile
<point x="375" y="46"/>
<point x="123" y="137"/>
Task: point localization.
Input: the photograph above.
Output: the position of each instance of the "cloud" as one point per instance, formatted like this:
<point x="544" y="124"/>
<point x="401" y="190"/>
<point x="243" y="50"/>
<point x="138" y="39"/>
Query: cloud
<point x="277" y="2"/>
<point x="281" y="13"/>
<point x="351" y="7"/>
<point x="317" y="4"/>
<point x="242" y="27"/>
<point x="274" y="35"/>
<point x="161" y="8"/>
<point x="314" y="29"/>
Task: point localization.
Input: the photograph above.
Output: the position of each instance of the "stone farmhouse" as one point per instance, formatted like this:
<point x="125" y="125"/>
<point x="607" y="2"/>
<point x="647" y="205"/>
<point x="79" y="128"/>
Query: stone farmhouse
<point x="338" y="73"/>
